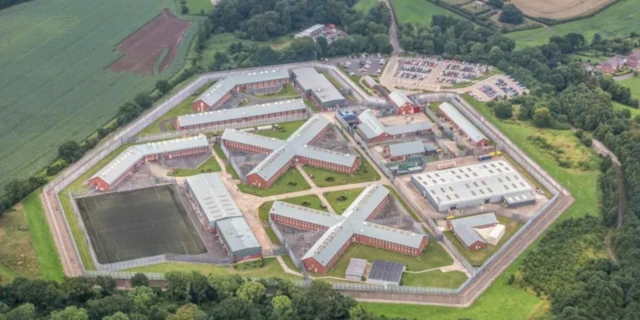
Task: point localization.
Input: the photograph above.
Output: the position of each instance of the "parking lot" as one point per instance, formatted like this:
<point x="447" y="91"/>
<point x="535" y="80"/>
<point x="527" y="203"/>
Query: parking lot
<point x="496" y="87"/>
<point x="362" y="65"/>
<point x="438" y="71"/>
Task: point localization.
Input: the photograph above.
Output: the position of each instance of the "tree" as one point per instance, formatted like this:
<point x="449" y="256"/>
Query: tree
<point x="286" y="19"/>
<point x="496" y="3"/>
<point x="70" y="151"/>
<point x="225" y="286"/>
<point x="141" y="297"/>
<point x="511" y="15"/>
<point x="503" y="110"/>
<point x="184" y="9"/>
<point x="189" y="312"/>
<point x="282" y="307"/>
<point x="163" y="86"/>
<point x="70" y="313"/>
<point x="117" y="316"/>
<point x="542" y="118"/>
<point x="235" y="308"/>
<point x="24" y="312"/>
<point x="139" y="280"/>
<point x="144" y="100"/>
<point x="78" y="289"/>
<point x="107" y="284"/>
<point x="253" y="292"/>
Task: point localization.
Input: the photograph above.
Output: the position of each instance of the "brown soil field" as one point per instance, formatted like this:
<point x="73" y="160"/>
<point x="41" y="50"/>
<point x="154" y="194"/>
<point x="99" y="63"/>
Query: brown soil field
<point x="143" y="48"/>
<point x="559" y="9"/>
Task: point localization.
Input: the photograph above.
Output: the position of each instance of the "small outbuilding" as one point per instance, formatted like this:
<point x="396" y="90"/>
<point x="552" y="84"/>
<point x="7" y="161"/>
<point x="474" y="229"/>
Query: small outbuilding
<point x="496" y="234"/>
<point x="355" y="270"/>
<point x="386" y="273"/>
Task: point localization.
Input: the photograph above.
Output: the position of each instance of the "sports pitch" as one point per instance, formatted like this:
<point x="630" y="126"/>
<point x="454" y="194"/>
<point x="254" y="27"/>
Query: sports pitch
<point x="139" y="223"/>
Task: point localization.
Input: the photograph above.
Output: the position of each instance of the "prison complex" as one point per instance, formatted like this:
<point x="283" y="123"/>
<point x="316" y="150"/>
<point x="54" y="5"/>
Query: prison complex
<point x="373" y="130"/>
<point x="402" y="103"/>
<point x="467" y="230"/>
<point x="220" y="215"/>
<point x="474" y="185"/>
<point x="125" y="165"/>
<point x="318" y="88"/>
<point x="353" y="226"/>
<point x="404" y="150"/>
<point x="284" y="154"/>
<point x="221" y="91"/>
<point x="461" y="122"/>
<point x="241" y="116"/>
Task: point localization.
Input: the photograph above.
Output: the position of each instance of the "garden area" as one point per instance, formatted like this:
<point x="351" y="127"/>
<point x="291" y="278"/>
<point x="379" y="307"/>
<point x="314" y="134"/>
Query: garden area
<point x="211" y="165"/>
<point x="282" y="131"/>
<point x="341" y="200"/>
<point x="290" y="181"/>
<point x="326" y="178"/>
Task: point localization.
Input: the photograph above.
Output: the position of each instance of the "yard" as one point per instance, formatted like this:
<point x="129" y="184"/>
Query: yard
<point x="435" y="279"/>
<point x="272" y="236"/>
<point x="341" y="200"/>
<point x="218" y="150"/>
<point x="288" y="91"/>
<point x="433" y="256"/>
<point x="287" y="129"/>
<point x="210" y="165"/>
<point x="270" y="269"/>
<point x="310" y="201"/>
<point x="418" y="11"/>
<point x="325" y="178"/>
<point x="614" y="21"/>
<point x="290" y="181"/>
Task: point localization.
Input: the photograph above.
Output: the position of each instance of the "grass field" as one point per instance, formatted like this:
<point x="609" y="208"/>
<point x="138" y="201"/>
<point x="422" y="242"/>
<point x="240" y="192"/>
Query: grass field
<point x="365" y="5"/>
<point x="272" y="236"/>
<point x="210" y="165"/>
<point x="222" y="41"/>
<point x="619" y="106"/>
<point x="435" y="279"/>
<point x="418" y="11"/>
<point x="433" y="256"/>
<point x="502" y="301"/>
<point x="313" y="201"/>
<point x="478" y="257"/>
<point x="218" y="150"/>
<point x="288" y="129"/>
<point x="288" y="91"/>
<point x="54" y="87"/>
<point x="290" y="181"/>
<point x="325" y="178"/>
<point x="270" y="269"/>
<point x="340" y="206"/>
<point x="182" y="108"/>
<point x="634" y="85"/>
<point x="619" y="19"/>
<point x="198" y="6"/>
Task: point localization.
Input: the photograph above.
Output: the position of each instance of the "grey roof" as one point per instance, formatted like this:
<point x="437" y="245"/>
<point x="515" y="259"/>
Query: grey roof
<point x="213" y="197"/>
<point x="523" y="197"/>
<point x="406" y="148"/>
<point x="295" y="145"/>
<point x="349" y="223"/>
<point x="371" y="126"/>
<point x="462" y="122"/>
<point x="310" y="79"/>
<point x="386" y="271"/>
<point x="241" y="113"/>
<point x="369" y="81"/>
<point x="356" y="267"/>
<point x="463" y="227"/>
<point x="127" y="159"/>
<point x="237" y="234"/>
<point x="475" y="182"/>
<point x="399" y="99"/>
<point x="222" y="87"/>
<point x="309" y="31"/>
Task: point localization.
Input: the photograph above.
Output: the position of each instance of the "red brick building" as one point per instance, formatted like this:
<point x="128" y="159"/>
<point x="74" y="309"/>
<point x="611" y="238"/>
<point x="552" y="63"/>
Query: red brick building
<point x="374" y="131"/>
<point x="633" y="60"/>
<point x="464" y="229"/>
<point x="402" y="103"/>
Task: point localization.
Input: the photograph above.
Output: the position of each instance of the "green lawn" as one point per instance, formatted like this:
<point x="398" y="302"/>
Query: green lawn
<point x="326" y="178"/>
<point x="433" y="256"/>
<point x="290" y="181"/>
<point x="333" y="81"/>
<point x="272" y="236"/>
<point x="288" y="128"/>
<point x="634" y="85"/>
<point x="312" y="200"/>
<point x="618" y="20"/>
<point x="288" y="91"/>
<point x="218" y="150"/>
<point x="435" y="279"/>
<point x="501" y="300"/>
<point x="478" y="257"/>
<point x="211" y="165"/>
<point x="619" y="106"/>
<point x="365" y="5"/>
<point x="55" y="86"/>
<point x="289" y="263"/>
<point x="340" y="206"/>
<point x="196" y="7"/>
<point x="418" y="11"/>
<point x="222" y="41"/>
<point x="270" y="269"/>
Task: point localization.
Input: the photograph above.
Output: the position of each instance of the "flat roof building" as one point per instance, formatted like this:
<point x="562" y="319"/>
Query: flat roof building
<point x="282" y="154"/>
<point x="352" y="226"/>
<point x="125" y="164"/>
<point x="471" y="186"/>
<point x="386" y="273"/>
<point x="461" y="122"/>
<point x="372" y="130"/>
<point x="464" y="229"/>
<point x="311" y="32"/>
<point x="323" y="92"/>
<point x="404" y="150"/>
<point x="220" y="92"/>
<point x="355" y="269"/>
<point x="219" y="214"/>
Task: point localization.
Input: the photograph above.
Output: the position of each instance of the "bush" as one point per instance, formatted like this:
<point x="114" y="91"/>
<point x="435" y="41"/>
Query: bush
<point x="511" y="15"/>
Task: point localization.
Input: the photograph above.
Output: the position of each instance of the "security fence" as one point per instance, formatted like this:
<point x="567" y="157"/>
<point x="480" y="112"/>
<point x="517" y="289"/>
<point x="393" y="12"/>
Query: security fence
<point x="235" y="167"/>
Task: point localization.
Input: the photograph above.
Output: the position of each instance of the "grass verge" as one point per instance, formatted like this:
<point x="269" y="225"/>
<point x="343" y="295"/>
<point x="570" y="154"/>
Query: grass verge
<point x="290" y="181"/>
<point x="287" y="129"/>
<point x="435" y="279"/>
<point x="211" y="165"/>
<point x="326" y="178"/>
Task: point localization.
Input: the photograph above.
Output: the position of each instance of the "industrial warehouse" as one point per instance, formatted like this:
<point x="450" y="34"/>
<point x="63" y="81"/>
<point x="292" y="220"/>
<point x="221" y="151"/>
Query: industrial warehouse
<point x="128" y="161"/>
<point x="220" y="215"/>
<point x="404" y="150"/>
<point x="474" y="185"/>
<point x="318" y="88"/>
<point x="284" y="154"/>
<point x="221" y="91"/>
<point x="239" y="116"/>
<point x="372" y="130"/>
<point x="459" y="121"/>
<point x="353" y="226"/>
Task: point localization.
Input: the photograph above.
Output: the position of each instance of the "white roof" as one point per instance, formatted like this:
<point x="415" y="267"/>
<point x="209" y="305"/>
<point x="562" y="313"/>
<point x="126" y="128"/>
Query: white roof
<point x="127" y="159"/>
<point x="213" y="197"/>
<point x="399" y="99"/>
<point x="462" y="122"/>
<point x="222" y="87"/>
<point x="371" y="126"/>
<point x="468" y="183"/>
<point x="310" y="31"/>
<point x="241" y="113"/>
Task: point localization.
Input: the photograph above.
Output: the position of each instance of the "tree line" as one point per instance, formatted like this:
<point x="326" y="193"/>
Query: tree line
<point x="187" y="296"/>
<point x="8" y="3"/>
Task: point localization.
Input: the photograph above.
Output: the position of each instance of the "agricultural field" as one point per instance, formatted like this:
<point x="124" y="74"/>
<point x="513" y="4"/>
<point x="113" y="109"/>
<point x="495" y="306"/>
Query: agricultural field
<point x="560" y="9"/>
<point x="502" y="301"/>
<point x="55" y="85"/>
<point x="418" y="11"/>
<point x="617" y="20"/>
<point x="633" y="84"/>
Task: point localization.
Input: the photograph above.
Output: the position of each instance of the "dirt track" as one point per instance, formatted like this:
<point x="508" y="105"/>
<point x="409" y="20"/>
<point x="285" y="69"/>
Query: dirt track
<point x="559" y="9"/>
<point x="143" y="48"/>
